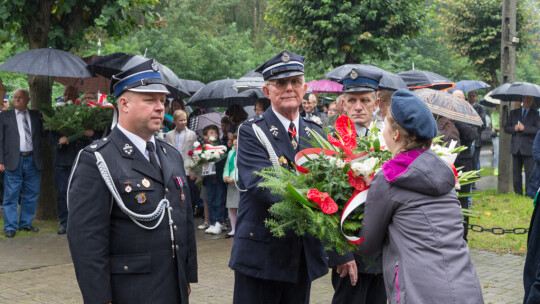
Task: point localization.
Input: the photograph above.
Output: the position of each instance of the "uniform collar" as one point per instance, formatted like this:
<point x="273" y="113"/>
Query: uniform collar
<point x="136" y="139"/>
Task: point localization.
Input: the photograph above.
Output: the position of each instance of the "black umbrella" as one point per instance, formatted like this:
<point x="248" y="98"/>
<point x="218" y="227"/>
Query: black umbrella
<point x="251" y="80"/>
<point x="470" y="85"/>
<point x="115" y="63"/>
<point x="514" y="91"/>
<point x="389" y="81"/>
<point x="47" y="62"/>
<point x="220" y="93"/>
<point x="416" y="79"/>
<point x="191" y="85"/>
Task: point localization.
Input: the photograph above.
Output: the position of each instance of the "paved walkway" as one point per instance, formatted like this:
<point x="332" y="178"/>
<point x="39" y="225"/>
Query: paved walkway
<point x="38" y="269"/>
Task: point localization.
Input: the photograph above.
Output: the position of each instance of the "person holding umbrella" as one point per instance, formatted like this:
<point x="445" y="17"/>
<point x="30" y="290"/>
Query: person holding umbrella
<point x="522" y="124"/>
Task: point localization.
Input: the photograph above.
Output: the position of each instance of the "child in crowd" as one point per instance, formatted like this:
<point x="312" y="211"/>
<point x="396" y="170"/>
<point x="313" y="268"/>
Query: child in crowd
<point x="215" y="187"/>
<point x="225" y="125"/>
<point x="230" y="175"/>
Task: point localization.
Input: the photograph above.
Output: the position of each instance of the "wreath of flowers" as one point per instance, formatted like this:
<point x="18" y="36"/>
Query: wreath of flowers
<point x="324" y="197"/>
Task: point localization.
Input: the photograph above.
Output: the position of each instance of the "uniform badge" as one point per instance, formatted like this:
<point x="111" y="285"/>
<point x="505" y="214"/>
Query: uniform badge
<point x="154" y="65"/>
<point x="164" y="150"/>
<point x="128" y="187"/>
<point x="141" y="198"/>
<point x="274" y="131"/>
<point x="128" y="149"/>
<point x="285" y="57"/>
<point x="146" y="183"/>
<point x="354" y="75"/>
<point x="308" y="132"/>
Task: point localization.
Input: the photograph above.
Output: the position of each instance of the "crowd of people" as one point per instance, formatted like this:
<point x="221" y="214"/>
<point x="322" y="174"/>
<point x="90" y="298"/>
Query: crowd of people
<point x="127" y="198"/>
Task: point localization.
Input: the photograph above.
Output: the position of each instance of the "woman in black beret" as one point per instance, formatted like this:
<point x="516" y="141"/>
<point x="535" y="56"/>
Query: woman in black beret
<point x="412" y="213"/>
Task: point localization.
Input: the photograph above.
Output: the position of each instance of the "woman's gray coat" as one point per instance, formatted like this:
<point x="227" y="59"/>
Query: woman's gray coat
<point x="417" y="221"/>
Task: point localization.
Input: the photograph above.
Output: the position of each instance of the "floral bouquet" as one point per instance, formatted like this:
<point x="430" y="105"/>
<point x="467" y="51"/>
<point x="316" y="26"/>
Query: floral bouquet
<point x="204" y="154"/>
<point x="324" y="194"/>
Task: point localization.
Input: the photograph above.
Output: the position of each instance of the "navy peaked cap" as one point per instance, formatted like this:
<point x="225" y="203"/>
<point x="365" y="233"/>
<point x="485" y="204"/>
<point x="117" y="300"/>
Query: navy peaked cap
<point x="413" y="114"/>
<point x="360" y="80"/>
<point x="283" y="65"/>
<point x="144" y="78"/>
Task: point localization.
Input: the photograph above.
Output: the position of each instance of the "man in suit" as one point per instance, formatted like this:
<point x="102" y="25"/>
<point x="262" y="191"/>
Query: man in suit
<point x="356" y="279"/>
<point x="310" y="110"/>
<point x="130" y="224"/>
<point x="522" y="123"/>
<point x="20" y="159"/>
<point x="183" y="139"/>
<point x="268" y="269"/>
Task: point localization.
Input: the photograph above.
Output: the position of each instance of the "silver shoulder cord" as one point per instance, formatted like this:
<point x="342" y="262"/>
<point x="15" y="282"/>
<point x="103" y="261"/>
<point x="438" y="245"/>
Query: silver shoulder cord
<point x="267" y="145"/>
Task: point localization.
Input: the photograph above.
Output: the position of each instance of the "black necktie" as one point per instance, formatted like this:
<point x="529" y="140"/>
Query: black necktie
<point x="292" y="134"/>
<point x="153" y="160"/>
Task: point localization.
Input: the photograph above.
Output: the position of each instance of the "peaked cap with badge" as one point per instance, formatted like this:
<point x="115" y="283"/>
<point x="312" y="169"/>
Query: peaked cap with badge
<point x="358" y="80"/>
<point x="143" y="78"/>
<point x="283" y="65"/>
<point x="130" y="229"/>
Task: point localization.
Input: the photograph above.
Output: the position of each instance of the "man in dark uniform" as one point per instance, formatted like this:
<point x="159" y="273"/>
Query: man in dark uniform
<point x="130" y="223"/>
<point x="268" y="269"/>
<point x="356" y="279"/>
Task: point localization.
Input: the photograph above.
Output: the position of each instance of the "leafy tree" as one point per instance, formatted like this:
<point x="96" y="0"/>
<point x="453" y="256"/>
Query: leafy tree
<point x="343" y="31"/>
<point x="473" y="27"/>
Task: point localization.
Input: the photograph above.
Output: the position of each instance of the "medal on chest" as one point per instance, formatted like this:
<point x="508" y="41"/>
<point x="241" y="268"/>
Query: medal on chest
<point x="180" y="185"/>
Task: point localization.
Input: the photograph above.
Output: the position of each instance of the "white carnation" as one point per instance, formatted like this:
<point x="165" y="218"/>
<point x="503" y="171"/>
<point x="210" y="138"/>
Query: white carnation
<point x="196" y="144"/>
<point x="364" y="168"/>
<point x="212" y="138"/>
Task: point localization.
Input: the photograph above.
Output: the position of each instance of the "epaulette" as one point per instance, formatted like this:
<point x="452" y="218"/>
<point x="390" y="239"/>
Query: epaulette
<point x="253" y="119"/>
<point x="308" y="120"/>
<point x="98" y="144"/>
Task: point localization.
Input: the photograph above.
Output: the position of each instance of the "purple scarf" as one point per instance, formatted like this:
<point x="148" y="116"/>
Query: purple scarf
<point x="398" y="165"/>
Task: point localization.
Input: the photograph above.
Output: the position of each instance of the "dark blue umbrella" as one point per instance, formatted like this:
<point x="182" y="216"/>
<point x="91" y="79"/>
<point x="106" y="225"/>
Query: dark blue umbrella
<point x="192" y="85"/>
<point x="251" y="80"/>
<point x="470" y="85"/>
<point x="220" y="93"/>
<point x="389" y="81"/>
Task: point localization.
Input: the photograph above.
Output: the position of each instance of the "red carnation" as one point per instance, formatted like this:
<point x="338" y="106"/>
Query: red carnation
<point x="357" y="181"/>
<point x="323" y="200"/>
<point x="190" y="153"/>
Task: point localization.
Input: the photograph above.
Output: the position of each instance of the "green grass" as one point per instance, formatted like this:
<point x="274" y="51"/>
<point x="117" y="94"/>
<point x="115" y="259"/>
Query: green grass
<point x="486" y="171"/>
<point x="45" y="227"/>
<point x="505" y="211"/>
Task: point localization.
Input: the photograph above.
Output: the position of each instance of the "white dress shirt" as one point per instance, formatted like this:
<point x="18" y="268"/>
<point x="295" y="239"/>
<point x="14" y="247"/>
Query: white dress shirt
<point x="286" y="122"/>
<point x="180" y="139"/>
<point x="24" y="147"/>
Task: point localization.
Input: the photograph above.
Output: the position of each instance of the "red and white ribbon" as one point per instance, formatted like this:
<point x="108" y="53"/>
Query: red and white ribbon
<point x="311" y="153"/>
<point x="353" y="203"/>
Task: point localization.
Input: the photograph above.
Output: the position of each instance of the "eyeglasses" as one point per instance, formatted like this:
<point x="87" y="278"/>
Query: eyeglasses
<point x="282" y="84"/>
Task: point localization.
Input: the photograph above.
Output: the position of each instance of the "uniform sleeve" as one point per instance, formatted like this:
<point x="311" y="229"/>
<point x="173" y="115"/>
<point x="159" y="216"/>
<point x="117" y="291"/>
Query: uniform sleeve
<point x="252" y="157"/>
<point x="89" y="205"/>
<point x="377" y="216"/>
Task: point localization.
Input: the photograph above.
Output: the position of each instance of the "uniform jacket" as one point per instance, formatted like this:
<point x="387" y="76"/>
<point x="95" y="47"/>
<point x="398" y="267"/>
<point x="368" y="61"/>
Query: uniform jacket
<point x="417" y="221"/>
<point x="255" y="251"/>
<point x="116" y="260"/>
<point x="10" y="143"/>
<point x="534" y="181"/>
<point x="531" y="272"/>
<point x="522" y="141"/>
<point x="189" y="139"/>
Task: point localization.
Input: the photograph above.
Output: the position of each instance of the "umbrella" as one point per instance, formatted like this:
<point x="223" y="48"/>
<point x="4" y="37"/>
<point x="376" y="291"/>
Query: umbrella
<point x="514" y="91"/>
<point x="220" y="93"/>
<point x="112" y="64"/>
<point x="447" y="105"/>
<point x="416" y="79"/>
<point x="489" y="101"/>
<point x="251" y="80"/>
<point x="198" y="121"/>
<point x="470" y="85"/>
<point x="191" y="85"/>
<point x="325" y="86"/>
<point x="47" y="62"/>
<point x="389" y="81"/>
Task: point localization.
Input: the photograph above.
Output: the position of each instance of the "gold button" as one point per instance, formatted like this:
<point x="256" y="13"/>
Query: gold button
<point x="175" y="228"/>
<point x="251" y="234"/>
<point x="166" y="190"/>
<point x="126" y="268"/>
